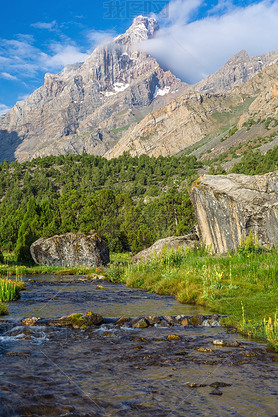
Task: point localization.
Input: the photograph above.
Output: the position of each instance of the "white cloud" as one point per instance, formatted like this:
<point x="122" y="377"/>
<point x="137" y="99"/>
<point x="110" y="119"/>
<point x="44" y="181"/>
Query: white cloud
<point x="3" y="109"/>
<point x="194" y="49"/>
<point x="180" y="11"/>
<point x="100" y="37"/>
<point x="20" y="59"/>
<point x="8" y="76"/>
<point x="44" y="25"/>
<point x="62" y="55"/>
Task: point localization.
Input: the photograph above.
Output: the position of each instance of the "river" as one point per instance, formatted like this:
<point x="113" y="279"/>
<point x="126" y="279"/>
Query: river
<point x="108" y="371"/>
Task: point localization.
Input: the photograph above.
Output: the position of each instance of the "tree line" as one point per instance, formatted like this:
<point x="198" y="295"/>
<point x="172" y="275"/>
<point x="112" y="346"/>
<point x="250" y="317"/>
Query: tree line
<point x="130" y="201"/>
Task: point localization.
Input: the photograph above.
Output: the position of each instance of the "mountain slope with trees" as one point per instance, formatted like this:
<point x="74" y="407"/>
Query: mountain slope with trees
<point x="131" y="202"/>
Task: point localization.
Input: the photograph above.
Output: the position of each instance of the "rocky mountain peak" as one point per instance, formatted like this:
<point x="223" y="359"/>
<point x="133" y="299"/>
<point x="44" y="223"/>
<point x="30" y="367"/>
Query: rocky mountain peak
<point x="142" y="29"/>
<point x="239" y="57"/>
<point x="237" y="71"/>
<point x="82" y="108"/>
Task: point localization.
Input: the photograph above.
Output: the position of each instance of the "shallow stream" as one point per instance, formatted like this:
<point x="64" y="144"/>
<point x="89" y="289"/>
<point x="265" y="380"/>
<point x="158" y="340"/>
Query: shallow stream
<point x="106" y="371"/>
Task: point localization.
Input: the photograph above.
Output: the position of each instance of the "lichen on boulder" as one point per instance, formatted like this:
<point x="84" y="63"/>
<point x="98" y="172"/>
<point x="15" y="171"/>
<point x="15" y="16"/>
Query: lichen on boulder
<point x="71" y="249"/>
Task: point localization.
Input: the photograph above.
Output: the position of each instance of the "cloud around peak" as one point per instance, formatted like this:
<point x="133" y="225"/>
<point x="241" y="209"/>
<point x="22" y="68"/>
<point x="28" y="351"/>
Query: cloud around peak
<point x="193" y="49"/>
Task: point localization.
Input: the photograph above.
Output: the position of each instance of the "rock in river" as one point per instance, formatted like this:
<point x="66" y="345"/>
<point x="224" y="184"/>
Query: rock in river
<point x="71" y="249"/>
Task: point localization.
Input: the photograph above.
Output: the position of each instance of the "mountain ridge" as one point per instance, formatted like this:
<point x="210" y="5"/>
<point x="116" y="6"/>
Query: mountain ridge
<point x="93" y="106"/>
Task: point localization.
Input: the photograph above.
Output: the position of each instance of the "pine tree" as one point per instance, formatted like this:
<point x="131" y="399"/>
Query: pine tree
<point x="28" y="232"/>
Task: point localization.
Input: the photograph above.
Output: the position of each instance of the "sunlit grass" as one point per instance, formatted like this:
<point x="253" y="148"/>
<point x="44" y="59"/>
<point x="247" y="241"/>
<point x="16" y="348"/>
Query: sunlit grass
<point x="227" y="284"/>
<point x="271" y="330"/>
<point x="10" y="290"/>
<point x="21" y="270"/>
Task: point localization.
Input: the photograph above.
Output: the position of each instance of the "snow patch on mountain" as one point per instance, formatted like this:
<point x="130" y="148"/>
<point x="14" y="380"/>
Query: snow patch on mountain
<point x="118" y="88"/>
<point x="161" y="92"/>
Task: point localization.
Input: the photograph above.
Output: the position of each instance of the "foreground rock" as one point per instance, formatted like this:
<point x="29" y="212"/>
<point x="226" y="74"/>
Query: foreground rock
<point x="157" y="248"/>
<point x="71" y="249"/>
<point x="78" y="321"/>
<point x="82" y="321"/>
<point x="229" y="207"/>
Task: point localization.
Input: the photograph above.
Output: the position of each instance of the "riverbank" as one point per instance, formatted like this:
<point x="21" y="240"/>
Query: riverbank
<point x="122" y="370"/>
<point x="243" y="285"/>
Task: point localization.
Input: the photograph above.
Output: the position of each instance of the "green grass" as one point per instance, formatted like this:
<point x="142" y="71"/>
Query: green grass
<point x="3" y="309"/>
<point x="10" y="289"/>
<point x="243" y="285"/>
<point x="11" y="269"/>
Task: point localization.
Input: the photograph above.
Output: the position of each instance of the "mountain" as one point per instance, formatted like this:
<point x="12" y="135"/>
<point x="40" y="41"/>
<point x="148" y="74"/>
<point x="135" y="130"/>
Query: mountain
<point x="85" y="106"/>
<point x="120" y="99"/>
<point x="201" y="118"/>
<point x="237" y="71"/>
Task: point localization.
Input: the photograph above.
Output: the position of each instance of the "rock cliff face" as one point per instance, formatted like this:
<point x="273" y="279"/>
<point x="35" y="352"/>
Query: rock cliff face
<point x="257" y="120"/>
<point x="79" y="109"/>
<point x="194" y="117"/>
<point x="71" y="249"/>
<point x="229" y="207"/>
<point x="237" y="71"/>
<point x="181" y="123"/>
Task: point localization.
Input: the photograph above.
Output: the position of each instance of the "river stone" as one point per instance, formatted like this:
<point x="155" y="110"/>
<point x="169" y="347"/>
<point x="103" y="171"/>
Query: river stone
<point x="122" y="321"/>
<point x="78" y="321"/>
<point x="153" y="319"/>
<point x="169" y="319"/>
<point x="229" y="207"/>
<point x="184" y="322"/>
<point x="218" y="342"/>
<point x="71" y="249"/>
<point x="160" y="245"/>
<point x="173" y="337"/>
<point x="197" y="320"/>
<point x="30" y="321"/>
<point x="220" y="384"/>
<point x="140" y="323"/>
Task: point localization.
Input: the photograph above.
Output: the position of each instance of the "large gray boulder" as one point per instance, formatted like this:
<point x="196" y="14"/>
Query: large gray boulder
<point x="71" y="249"/>
<point x="157" y="248"/>
<point x="229" y="207"/>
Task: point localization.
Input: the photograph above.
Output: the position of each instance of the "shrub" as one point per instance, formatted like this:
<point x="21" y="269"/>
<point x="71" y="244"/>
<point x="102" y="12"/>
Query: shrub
<point x="249" y="245"/>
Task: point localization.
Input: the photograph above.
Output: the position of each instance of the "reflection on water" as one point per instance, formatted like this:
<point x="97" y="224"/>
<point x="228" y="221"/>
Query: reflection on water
<point x="48" y="371"/>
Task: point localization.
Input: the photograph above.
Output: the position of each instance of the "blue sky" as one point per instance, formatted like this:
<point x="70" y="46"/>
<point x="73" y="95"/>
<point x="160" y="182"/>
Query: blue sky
<point x="43" y="36"/>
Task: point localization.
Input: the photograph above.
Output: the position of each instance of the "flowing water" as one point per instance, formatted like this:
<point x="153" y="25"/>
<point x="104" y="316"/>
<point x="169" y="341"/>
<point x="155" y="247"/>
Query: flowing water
<point x="109" y="371"/>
